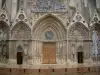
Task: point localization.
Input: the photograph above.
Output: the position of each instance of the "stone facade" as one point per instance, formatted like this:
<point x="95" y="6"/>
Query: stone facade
<point x="26" y="27"/>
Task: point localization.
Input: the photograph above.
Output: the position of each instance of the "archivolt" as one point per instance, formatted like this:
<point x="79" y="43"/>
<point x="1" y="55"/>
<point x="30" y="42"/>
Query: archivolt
<point x="21" y="31"/>
<point x="79" y="27"/>
<point x="49" y="22"/>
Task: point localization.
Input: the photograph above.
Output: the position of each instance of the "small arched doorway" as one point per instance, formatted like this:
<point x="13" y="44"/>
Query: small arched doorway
<point x="19" y="55"/>
<point x="80" y="54"/>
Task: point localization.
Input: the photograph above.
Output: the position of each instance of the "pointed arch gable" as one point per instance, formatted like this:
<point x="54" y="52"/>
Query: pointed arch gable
<point x="21" y="29"/>
<point x="46" y="16"/>
<point x="20" y="22"/>
<point x="72" y="24"/>
<point x="79" y="24"/>
<point x="21" y="16"/>
<point x="78" y="18"/>
<point x="4" y="16"/>
<point x="95" y="19"/>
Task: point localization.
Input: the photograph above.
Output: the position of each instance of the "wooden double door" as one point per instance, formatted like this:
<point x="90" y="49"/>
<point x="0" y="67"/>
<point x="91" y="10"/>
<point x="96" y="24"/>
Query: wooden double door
<point x="49" y="53"/>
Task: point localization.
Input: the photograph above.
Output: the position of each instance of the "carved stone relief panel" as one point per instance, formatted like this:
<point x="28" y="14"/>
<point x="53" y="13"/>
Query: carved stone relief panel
<point x="49" y="5"/>
<point x="21" y="32"/>
<point x="36" y="16"/>
<point x="62" y="16"/>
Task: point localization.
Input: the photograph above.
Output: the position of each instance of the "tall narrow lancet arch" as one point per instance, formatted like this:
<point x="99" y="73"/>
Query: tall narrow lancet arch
<point x="4" y="37"/>
<point x="95" y="27"/>
<point x="78" y="38"/>
<point x="49" y="35"/>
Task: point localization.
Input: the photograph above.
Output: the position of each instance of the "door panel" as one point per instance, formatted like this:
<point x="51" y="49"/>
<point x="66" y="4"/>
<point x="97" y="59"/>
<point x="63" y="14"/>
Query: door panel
<point x="49" y="53"/>
<point x="80" y="57"/>
<point x="19" y="58"/>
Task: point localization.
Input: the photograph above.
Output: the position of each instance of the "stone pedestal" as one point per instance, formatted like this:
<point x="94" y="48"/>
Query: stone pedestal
<point x="30" y="61"/>
<point x="12" y="61"/>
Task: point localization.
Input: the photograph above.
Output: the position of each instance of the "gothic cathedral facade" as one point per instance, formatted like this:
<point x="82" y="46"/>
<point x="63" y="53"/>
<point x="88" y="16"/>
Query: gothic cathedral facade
<point x="48" y="31"/>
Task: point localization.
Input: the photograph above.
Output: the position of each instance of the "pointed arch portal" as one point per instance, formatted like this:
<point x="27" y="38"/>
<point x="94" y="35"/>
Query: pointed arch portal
<point x="50" y="35"/>
<point x="78" y="36"/>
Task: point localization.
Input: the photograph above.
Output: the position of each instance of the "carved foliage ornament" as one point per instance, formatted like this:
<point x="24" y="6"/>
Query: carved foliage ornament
<point x="95" y="19"/>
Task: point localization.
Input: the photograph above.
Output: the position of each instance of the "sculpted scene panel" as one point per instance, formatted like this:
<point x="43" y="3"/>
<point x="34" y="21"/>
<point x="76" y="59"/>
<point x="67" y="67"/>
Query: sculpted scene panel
<point x="21" y="32"/>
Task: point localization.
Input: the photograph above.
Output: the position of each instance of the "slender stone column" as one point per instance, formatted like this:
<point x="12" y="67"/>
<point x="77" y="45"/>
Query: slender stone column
<point x="11" y="60"/>
<point x="25" y="52"/>
<point x="0" y="3"/>
<point x="14" y="9"/>
<point x="57" y="53"/>
<point x="67" y="47"/>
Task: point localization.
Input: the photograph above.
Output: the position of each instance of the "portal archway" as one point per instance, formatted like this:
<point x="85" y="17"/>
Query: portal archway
<point x="49" y="31"/>
<point x="21" y="34"/>
<point x="78" y="35"/>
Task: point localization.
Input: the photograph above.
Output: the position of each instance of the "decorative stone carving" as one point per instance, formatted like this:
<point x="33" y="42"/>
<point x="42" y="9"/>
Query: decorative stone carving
<point x="62" y="16"/>
<point x="49" y="5"/>
<point x="21" y="32"/>
<point x="3" y="16"/>
<point x="21" y="17"/>
<point x="49" y="35"/>
<point x="95" y="19"/>
<point x="36" y="16"/>
<point x="78" y="17"/>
